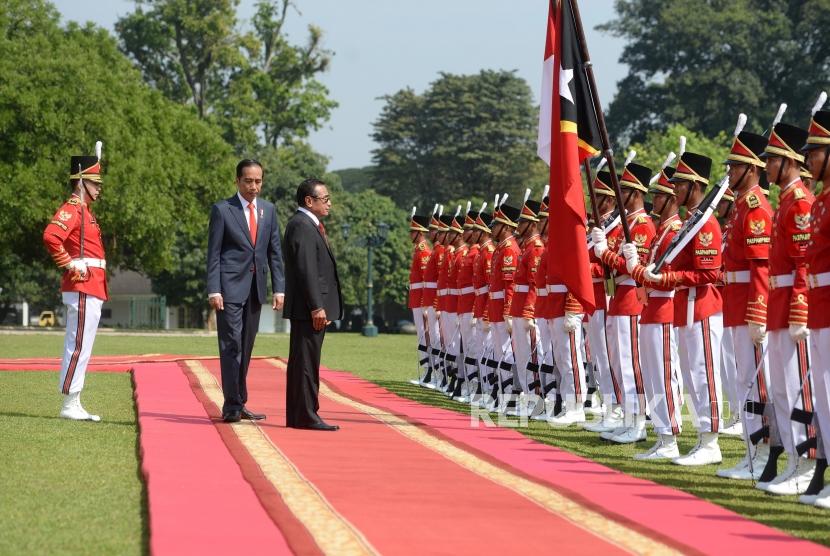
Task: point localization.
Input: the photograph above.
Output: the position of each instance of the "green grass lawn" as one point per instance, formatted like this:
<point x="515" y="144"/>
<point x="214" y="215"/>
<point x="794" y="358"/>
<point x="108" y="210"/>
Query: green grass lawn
<point x="386" y="360"/>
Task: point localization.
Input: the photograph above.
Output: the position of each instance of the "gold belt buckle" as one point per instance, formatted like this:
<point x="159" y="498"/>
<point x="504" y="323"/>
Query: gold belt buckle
<point x="812" y="280"/>
<point x="772" y="282"/>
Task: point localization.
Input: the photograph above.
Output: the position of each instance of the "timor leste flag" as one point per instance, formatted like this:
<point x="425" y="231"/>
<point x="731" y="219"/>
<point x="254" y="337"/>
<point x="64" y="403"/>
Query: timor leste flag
<point x="568" y="133"/>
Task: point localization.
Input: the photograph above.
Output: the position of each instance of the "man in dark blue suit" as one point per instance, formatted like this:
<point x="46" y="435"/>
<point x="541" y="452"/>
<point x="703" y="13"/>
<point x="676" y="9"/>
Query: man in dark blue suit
<point x="312" y="300"/>
<point x="243" y="245"/>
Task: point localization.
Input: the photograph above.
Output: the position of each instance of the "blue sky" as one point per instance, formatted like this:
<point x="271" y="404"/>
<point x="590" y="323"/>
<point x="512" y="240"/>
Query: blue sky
<point x="382" y="46"/>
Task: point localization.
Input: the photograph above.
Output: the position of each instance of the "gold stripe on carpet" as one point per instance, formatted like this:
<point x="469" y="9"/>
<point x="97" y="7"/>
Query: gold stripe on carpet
<point x="552" y="501"/>
<point x="331" y="531"/>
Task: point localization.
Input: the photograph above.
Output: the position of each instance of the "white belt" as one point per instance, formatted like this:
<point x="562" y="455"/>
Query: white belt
<point x="95" y="263"/>
<point x="482" y="290"/>
<point x="624" y="280"/>
<point x="521" y="288"/>
<point x="445" y="291"/>
<point x="497" y="295"/>
<point x="557" y="288"/>
<point x="781" y="281"/>
<point x="416" y="285"/>
<point x="597" y="280"/>
<point x="466" y="291"/>
<point x="659" y="293"/>
<point x="818" y="280"/>
<point x="736" y="277"/>
<point x="453" y="291"/>
<point x="431" y="285"/>
<point x="541" y="292"/>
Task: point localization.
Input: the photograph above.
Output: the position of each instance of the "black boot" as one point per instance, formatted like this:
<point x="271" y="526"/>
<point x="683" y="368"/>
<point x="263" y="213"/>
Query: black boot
<point x="771" y="469"/>
<point x="817" y="484"/>
<point x="456" y="392"/>
<point x="428" y="376"/>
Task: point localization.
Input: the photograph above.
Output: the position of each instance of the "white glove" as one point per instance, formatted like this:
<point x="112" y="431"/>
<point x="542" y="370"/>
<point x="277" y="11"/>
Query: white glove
<point x="799" y="332"/>
<point x="573" y="321"/>
<point x="650" y="274"/>
<point x="757" y="332"/>
<point x="79" y="266"/>
<point x="632" y="258"/>
<point x="600" y="243"/>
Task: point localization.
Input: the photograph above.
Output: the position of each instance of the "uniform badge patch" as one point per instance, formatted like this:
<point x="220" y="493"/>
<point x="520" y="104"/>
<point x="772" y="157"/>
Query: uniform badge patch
<point x="753" y="201"/>
<point x="705" y="238"/>
<point x="64" y="216"/>
<point x="757" y="227"/>
<point x="508" y="259"/>
<point x="802" y="221"/>
<point x="640" y="239"/>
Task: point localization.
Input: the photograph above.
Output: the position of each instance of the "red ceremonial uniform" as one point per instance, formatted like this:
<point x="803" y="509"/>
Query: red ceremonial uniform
<point x="524" y="288"/>
<point x="459" y="254"/>
<point x="598" y="269"/>
<point x="746" y="260"/>
<point x="625" y="301"/>
<point x="466" y="288"/>
<point x="818" y="263"/>
<point x="790" y="237"/>
<point x="444" y="278"/>
<point x="559" y="302"/>
<point x="481" y="278"/>
<point x="699" y="266"/>
<point x="62" y="238"/>
<point x="429" y="298"/>
<point x="420" y="259"/>
<point x="503" y="270"/>
<point x="542" y="308"/>
<point x="660" y="310"/>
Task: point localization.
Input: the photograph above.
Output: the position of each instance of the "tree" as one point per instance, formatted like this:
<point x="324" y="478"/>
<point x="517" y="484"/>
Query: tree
<point x="64" y="88"/>
<point x="254" y="84"/>
<point x="701" y="63"/>
<point x="466" y="135"/>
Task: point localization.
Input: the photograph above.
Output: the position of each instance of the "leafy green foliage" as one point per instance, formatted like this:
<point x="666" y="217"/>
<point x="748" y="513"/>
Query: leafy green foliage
<point x="355" y="179"/>
<point x="700" y="63"/>
<point x="163" y="167"/>
<point x="466" y="135"/>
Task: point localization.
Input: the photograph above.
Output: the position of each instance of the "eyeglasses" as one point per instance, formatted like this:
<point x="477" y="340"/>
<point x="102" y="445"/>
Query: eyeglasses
<point x="326" y="199"/>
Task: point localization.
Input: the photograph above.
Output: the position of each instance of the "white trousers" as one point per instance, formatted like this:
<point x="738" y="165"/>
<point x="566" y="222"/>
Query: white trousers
<point x="502" y="349"/>
<point x="658" y="350"/>
<point x="788" y="365"/>
<point x="466" y="329"/>
<point x="544" y="355"/>
<point x="608" y="387"/>
<point x="420" y="325"/>
<point x="83" y="311"/>
<point x="525" y="342"/>
<point x="699" y="360"/>
<point x="481" y="346"/>
<point x="729" y="372"/>
<point x="820" y="352"/>
<point x="567" y="354"/>
<point x="624" y="336"/>
<point x="751" y="386"/>
<point x="433" y="333"/>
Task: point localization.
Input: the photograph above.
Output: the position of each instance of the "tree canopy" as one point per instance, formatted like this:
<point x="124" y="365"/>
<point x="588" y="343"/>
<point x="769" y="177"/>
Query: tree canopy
<point x="701" y="63"/>
<point x="465" y="135"/>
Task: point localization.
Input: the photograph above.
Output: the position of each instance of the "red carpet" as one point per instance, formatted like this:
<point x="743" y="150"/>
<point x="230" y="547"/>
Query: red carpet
<point x="198" y="500"/>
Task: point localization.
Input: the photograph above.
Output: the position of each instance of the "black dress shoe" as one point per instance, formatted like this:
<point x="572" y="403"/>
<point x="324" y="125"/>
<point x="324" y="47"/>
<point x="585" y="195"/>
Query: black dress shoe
<point x="321" y="426"/>
<point x="232" y="416"/>
<point x="251" y="416"/>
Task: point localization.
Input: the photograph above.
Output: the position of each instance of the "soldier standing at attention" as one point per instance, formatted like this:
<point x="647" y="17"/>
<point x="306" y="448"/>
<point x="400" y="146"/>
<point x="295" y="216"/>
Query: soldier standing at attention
<point x="73" y="238"/>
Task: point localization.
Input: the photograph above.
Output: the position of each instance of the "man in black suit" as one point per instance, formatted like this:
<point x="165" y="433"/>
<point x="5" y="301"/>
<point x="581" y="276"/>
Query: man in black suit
<point x="312" y="300"/>
<point x="243" y="244"/>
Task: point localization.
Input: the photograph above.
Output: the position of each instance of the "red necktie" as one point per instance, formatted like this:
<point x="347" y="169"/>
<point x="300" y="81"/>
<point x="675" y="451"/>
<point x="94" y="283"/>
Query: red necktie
<point x="323" y="232"/>
<point x="252" y="223"/>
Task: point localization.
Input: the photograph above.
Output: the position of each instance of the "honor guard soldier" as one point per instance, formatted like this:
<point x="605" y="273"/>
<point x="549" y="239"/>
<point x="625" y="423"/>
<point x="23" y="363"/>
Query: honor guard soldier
<point x="817" y="151"/>
<point x="421" y="252"/>
<point x="73" y="239"/>
<point x="625" y="307"/>
<point x="609" y="387"/>
<point x="698" y="309"/>
<point x="790" y="386"/>
<point x="428" y="297"/>
<point x="481" y="283"/>
<point x="456" y="353"/>
<point x="464" y="307"/>
<point x="658" y="340"/>
<point x="745" y="298"/>
<point x="542" y="312"/>
<point x="525" y="333"/>
<point x="447" y="321"/>
<point x="503" y="269"/>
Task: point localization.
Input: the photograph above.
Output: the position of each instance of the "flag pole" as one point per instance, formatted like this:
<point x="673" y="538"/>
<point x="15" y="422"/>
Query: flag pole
<point x="592" y="194"/>
<point x="608" y="152"/>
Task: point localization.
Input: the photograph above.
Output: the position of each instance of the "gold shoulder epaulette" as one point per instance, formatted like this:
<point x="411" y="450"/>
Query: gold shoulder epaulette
<point x="73" y="201"/>
<point x="799" y="194"/>
<point x="676" y="225"/>
<point x="538" y="243"/>
<point x="753" y="201"/>
<point x="490" y="247"/>
<point x="642" y="219"/>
